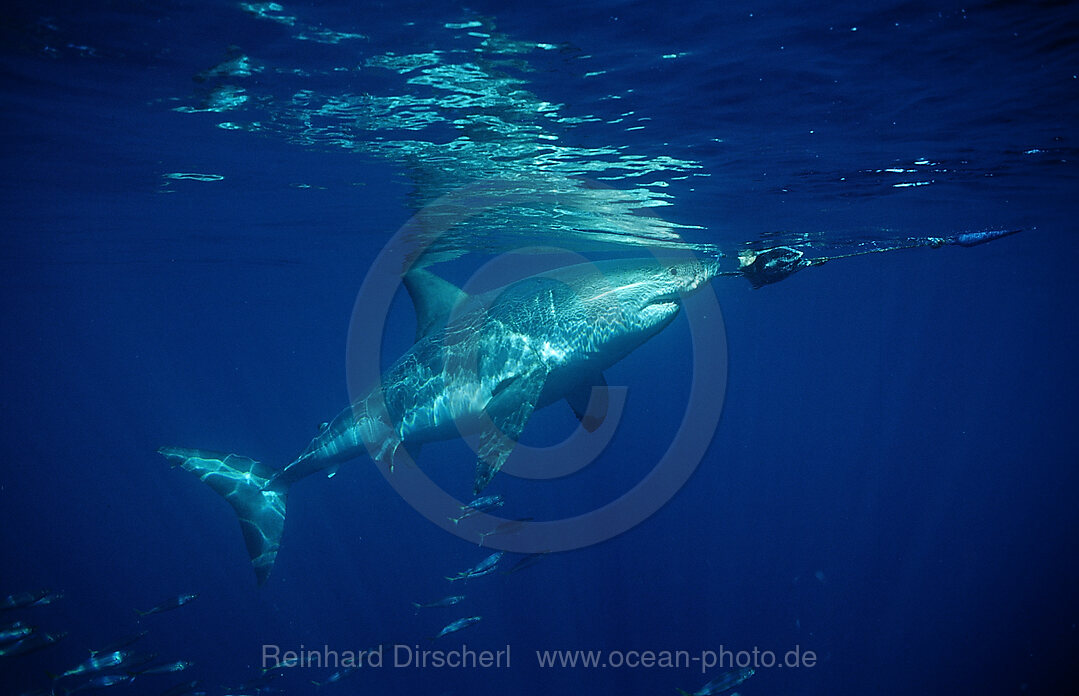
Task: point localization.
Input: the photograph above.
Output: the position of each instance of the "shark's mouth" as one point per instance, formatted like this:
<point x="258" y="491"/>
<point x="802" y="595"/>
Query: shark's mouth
<point x="669" y="298"/>
<point x="663" y="305"/>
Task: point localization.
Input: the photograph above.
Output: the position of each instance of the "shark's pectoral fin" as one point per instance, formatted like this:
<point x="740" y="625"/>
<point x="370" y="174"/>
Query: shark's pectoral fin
<point x="507" y="413"/>
<point x="496" y="445"/>
<point x="590" y="402"/>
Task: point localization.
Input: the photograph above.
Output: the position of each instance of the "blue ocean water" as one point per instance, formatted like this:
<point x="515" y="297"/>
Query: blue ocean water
<point x="892" y="484"/>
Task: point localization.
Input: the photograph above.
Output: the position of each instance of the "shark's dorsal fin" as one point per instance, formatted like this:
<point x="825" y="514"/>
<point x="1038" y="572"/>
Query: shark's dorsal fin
<point x="433" y="298"/>
<point x="590" y="402"/>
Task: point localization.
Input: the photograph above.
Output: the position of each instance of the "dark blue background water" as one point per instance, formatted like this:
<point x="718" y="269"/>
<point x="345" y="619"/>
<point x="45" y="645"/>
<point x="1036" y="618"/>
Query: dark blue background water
<point x="893" y="482"/>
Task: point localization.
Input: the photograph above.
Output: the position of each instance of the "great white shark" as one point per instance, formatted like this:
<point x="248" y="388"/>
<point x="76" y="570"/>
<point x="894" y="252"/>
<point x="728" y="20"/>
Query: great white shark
<point x="480" y="366"/>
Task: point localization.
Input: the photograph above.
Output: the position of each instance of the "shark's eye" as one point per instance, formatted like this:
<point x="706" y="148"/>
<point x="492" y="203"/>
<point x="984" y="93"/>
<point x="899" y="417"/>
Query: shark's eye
<point x="674" y="271"/>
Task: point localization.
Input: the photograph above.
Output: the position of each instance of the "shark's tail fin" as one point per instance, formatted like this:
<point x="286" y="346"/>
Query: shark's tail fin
<point x="246" y="485"/>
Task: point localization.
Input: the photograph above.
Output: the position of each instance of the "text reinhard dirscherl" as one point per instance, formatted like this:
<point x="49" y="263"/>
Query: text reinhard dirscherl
<point x="399" y="655"/>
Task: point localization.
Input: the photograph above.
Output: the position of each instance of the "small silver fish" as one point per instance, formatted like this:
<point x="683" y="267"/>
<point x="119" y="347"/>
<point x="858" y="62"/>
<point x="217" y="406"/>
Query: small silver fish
<point x="530" y="559"/>
<point x="122" y="643"/>
<point x="444" y="602"/>
<point x="457" y="626"/>
<point x="484" y="504"/>
<point x="182" y="689"/>
<point x="484" y="567"/>
<point x="20" y="600"/>
<point x="335" y="677"/>
<point x="725" y="681"/>
<point x="168" y="605"/>
<point x="14" y="632"/>
<point x="32" y="643"/>
<point x="96" y="663"/>
<point x="102" y="681"/>
<point x="507" y="528"/>
<point x="177" y="666"/>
